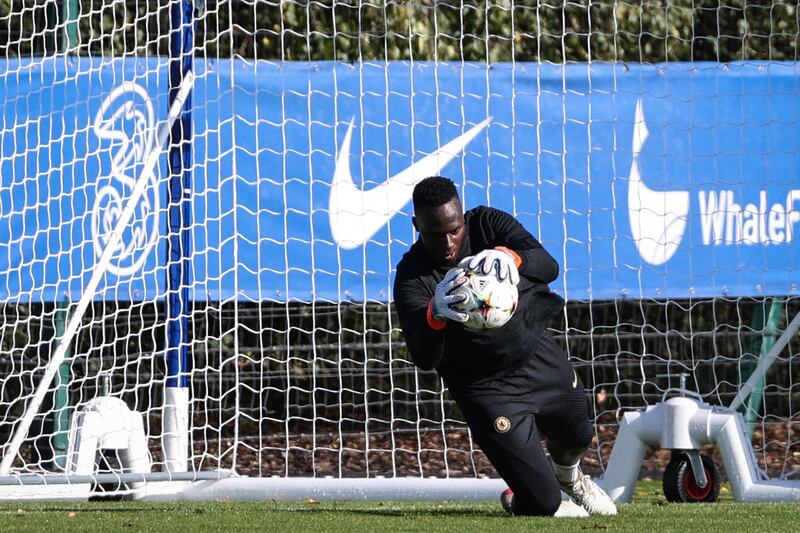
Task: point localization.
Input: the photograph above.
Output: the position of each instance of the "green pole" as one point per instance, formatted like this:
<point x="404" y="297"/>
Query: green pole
<point x="70" y="10"/>
<point x="61" y="411"/>
<point x="749" y="359"/>
<point x="770" y="329"/>
<point x="69" y="14"/>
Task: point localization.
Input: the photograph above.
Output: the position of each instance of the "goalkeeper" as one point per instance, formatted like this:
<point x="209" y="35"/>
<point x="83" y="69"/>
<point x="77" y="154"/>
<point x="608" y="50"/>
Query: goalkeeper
<point x="512" y="383"/>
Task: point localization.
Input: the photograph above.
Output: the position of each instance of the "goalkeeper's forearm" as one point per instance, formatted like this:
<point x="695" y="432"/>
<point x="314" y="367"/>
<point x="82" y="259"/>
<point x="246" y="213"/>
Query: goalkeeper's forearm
<point x="424" y="333"/>
<point x="425" y="343"/>
<point x="538" y="265"/>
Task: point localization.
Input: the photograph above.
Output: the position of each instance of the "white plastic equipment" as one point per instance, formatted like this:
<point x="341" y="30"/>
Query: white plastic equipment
<point x="685" y="424"/>
<point x="107" y="423"/>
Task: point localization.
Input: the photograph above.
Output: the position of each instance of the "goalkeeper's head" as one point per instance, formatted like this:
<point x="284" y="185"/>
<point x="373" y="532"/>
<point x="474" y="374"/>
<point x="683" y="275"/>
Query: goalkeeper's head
<point x="439" y="219"/>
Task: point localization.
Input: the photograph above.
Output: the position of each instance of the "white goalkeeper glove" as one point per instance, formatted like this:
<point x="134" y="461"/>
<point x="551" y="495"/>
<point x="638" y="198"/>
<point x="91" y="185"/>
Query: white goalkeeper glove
<point x="499" y="261"/>
<point x="443" y="299"/>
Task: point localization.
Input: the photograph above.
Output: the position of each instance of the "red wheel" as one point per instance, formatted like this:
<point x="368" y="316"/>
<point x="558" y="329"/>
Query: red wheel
<point x="680" y="485"/>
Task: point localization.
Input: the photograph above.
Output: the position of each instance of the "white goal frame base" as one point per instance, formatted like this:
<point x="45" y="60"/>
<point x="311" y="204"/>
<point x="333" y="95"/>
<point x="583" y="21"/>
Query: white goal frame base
<point x="236" y="488"/>
<point x="687" y="424"/>
<point x="226" y="485"/>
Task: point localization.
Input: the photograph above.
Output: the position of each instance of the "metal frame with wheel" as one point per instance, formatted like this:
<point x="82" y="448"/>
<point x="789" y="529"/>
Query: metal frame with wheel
<point x="684" y="423"/>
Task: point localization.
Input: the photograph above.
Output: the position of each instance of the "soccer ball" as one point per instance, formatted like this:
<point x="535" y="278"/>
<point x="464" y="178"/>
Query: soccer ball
<point x="490" y="302"/>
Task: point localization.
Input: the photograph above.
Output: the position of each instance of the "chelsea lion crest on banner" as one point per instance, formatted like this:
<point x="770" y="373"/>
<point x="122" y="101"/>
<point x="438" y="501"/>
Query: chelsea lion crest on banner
<point x="125" y="126"/>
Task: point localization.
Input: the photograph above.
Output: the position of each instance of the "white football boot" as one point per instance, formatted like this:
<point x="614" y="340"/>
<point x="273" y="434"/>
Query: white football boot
<point x="586" y="493"/>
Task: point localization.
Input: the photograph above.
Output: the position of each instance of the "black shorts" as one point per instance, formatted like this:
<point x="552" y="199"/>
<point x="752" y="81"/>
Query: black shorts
<point x="508" y="416"/>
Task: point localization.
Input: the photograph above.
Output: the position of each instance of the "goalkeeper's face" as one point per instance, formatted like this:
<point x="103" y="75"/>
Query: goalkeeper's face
<point x="441" y="230"/>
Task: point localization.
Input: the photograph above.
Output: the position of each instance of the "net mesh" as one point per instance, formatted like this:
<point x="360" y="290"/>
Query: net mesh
<point x="286" y="378"/>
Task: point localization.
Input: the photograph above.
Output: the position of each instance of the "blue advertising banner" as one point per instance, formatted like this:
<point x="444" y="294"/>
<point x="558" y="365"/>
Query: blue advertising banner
<point x="654" y="181"/>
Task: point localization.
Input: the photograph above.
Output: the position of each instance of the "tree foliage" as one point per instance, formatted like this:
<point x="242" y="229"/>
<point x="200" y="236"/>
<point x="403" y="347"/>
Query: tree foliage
<point x="648" y="31"/>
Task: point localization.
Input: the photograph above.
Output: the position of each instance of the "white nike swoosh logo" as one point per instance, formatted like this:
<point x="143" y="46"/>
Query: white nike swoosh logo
<point x="356" y="215"/>
<point x="657" y="218"/>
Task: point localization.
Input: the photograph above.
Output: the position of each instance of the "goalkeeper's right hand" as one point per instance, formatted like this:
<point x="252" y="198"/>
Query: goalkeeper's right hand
<point x="443" y="299"/>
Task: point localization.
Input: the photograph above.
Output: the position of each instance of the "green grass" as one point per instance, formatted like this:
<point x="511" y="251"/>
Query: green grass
<point x="648" y="512"/>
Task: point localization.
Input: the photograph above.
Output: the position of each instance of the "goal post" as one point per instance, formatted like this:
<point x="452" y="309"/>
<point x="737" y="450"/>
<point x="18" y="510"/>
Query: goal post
<point x="222" y="190"/>
<point x="176" y="395"/>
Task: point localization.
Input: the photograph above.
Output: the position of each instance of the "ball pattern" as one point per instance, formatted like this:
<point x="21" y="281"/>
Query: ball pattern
<point x="490" y="303"/>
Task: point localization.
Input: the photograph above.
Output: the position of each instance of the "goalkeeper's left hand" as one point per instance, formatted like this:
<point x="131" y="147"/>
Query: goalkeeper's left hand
<point x="502" y="262"/>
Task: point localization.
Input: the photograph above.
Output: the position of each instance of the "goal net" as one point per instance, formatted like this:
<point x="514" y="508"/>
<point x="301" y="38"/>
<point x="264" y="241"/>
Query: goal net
<point x="202" y="206"/>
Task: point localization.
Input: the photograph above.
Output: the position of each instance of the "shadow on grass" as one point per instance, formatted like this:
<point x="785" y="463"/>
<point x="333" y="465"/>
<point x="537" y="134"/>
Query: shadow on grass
<point x="458" y="512"/>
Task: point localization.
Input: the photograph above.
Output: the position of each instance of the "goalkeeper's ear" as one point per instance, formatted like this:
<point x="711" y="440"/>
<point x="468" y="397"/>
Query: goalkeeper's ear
<point x="517" y="258"/>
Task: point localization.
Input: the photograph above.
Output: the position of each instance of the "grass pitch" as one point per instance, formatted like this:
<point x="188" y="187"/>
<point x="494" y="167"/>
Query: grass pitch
<point x="648" y="512"/>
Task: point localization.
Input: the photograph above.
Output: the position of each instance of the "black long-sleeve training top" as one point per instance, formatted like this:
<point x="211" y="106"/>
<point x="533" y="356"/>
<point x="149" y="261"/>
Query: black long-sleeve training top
<point x="462" y="355"/>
